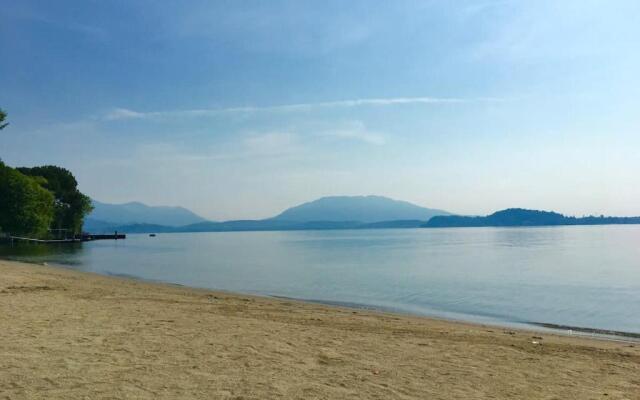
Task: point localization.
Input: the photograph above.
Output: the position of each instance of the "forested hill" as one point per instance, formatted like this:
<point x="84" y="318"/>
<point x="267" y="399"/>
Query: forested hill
<point x="523" y="217"/>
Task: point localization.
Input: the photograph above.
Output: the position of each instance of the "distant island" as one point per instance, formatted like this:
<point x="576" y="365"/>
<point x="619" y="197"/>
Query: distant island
<point x="524" y="217"/>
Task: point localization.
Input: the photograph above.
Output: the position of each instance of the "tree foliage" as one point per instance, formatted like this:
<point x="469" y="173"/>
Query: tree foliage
<point x="70" y="204"/>
<point x="3" y="116"/>
<point x="34" y="200"/>
<point x="26" y="208"/>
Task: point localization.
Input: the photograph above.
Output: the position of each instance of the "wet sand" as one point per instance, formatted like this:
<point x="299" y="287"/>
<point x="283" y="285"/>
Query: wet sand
<point x="72" y="335"/>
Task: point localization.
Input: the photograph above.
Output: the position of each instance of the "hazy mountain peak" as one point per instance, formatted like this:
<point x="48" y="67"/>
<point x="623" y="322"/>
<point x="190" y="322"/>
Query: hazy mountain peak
<point x="131" y="204"/>
<point x="139" y="213"/>
<point x="357" y="208"/>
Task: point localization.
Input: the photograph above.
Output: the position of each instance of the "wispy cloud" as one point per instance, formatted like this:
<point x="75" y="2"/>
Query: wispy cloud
<point x="355" y="131"/>
<point x="40" y="17"/>
<point x="123" y="113"/>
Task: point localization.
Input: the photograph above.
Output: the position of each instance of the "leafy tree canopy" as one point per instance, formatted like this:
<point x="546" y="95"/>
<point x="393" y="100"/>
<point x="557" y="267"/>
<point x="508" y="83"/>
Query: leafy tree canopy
<point x="26" y="208"/>
<point x="70" y="204"/>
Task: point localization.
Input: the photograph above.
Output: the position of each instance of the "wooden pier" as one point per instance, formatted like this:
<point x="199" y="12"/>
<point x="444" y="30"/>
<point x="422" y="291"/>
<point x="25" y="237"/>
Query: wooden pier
<point x="77" y="239"/>
<point x="31" y="240"/>
<point x="115" y="236"/>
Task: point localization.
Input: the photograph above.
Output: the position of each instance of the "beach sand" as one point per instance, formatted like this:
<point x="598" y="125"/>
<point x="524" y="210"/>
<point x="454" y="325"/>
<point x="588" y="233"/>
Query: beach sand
<point x="72" y="335"/>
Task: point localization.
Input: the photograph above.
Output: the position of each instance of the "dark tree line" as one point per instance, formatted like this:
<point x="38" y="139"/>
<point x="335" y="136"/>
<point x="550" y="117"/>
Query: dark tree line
<point x="26" y="208"/>
<point x="69" y="204"/>
<point x="35" y="201"/>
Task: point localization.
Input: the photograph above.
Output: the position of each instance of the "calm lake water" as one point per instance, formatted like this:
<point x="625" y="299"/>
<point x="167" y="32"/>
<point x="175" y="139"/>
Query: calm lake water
<point x="579" y="276"/>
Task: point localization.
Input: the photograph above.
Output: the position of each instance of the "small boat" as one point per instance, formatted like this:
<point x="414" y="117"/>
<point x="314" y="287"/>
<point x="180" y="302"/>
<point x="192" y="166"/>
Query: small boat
<point x="152" y="235"/>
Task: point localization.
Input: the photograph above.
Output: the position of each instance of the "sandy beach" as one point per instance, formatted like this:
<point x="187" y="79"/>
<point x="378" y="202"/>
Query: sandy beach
<point x="72" y="335"/>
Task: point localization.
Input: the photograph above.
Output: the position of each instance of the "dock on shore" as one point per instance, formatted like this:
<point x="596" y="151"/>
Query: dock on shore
<point x="76" y="239"/>
<point x="115" y="236"/>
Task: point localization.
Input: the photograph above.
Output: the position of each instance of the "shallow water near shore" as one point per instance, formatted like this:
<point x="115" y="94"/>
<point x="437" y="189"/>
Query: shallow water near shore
<point x="577" y="276"/>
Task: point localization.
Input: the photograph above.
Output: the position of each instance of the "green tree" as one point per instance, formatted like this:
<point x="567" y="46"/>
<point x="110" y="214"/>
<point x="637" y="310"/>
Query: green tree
<point x="70" y="204"/>
<point x="26" y="208"/>
<point x="3" y="116"/>
<point x="33" y="200"/>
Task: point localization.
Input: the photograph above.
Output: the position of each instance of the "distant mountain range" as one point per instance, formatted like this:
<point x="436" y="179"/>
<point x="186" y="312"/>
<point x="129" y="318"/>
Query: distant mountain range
<point x="105" y="217"/>
<point x="523" y="217"/>
<point x="336" y="212"/>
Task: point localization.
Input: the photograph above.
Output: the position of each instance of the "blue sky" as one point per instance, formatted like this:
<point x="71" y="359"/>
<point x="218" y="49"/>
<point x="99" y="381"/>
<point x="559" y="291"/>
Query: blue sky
<point x="239" y="109"/>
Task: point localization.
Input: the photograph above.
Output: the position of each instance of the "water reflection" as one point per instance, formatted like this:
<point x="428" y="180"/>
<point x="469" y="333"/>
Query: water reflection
<point x="39" y="253"/>
<point x="528" y="237"/>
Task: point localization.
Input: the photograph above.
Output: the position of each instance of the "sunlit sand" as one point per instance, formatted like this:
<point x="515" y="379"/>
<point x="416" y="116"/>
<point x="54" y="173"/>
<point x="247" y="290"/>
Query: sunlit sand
<point x="72" y="335"/>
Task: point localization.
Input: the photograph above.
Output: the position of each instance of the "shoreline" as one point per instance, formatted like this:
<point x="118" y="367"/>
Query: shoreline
<point x="527" y="326"/>
<point x="71" y="334"/>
